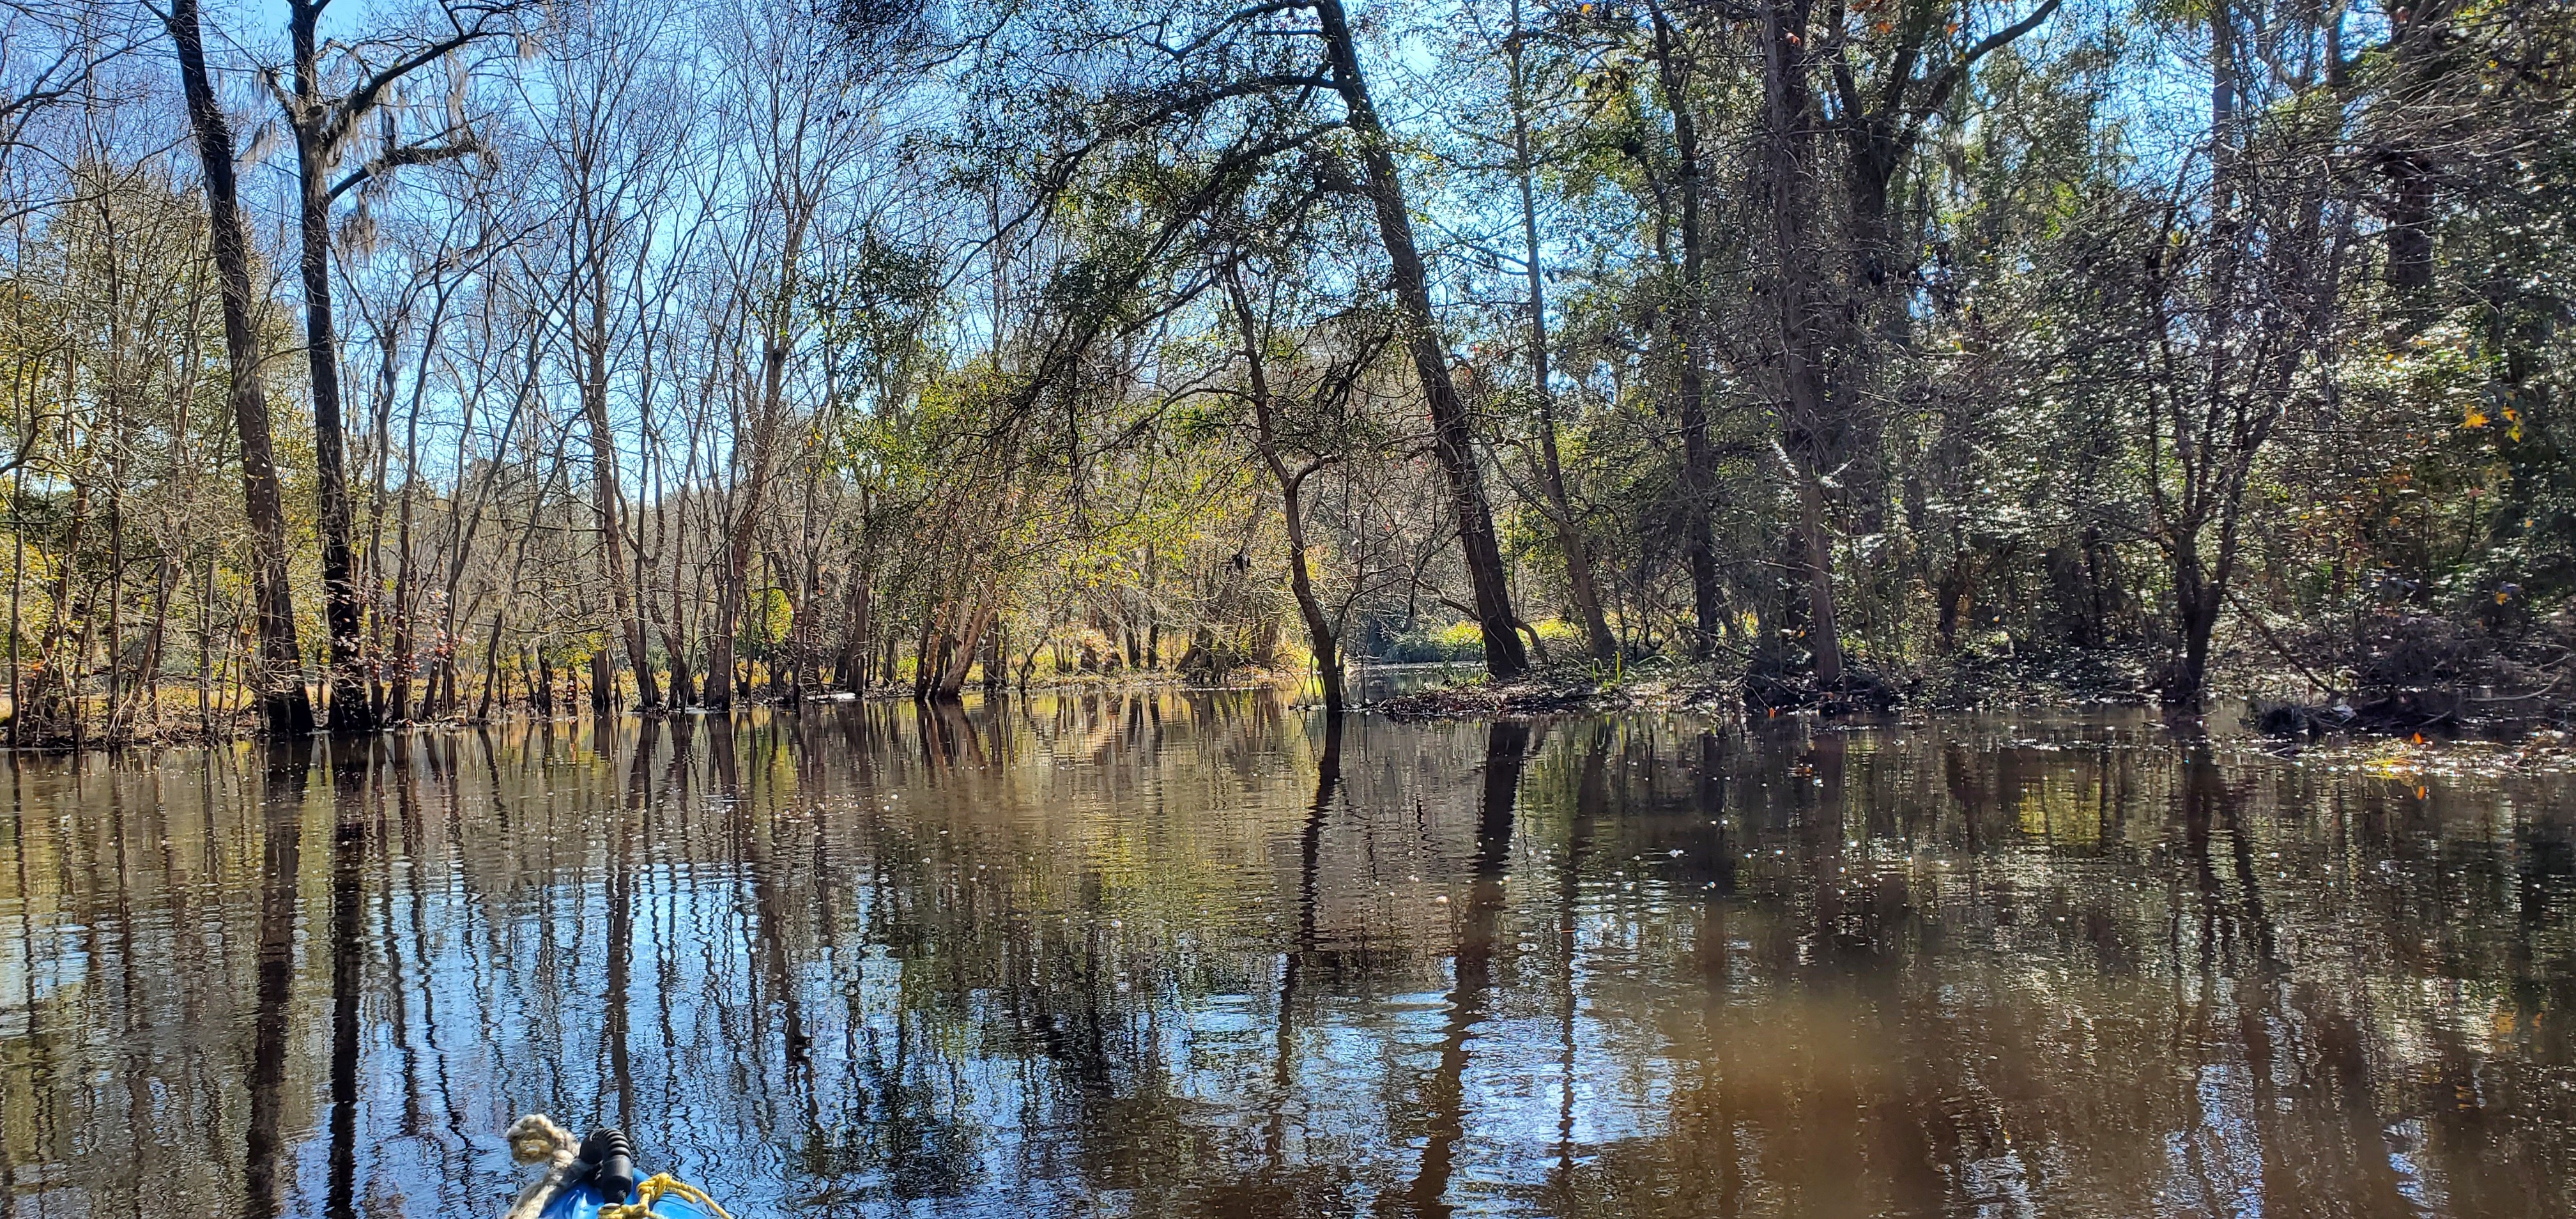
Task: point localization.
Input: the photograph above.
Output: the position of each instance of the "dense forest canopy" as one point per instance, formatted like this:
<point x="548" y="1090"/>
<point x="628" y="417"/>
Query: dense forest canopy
<point x="411" y="361"/>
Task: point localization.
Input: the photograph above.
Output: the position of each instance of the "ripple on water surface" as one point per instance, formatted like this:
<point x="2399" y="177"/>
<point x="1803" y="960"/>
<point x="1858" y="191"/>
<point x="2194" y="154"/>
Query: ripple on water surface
<point x="1196" y="954"/>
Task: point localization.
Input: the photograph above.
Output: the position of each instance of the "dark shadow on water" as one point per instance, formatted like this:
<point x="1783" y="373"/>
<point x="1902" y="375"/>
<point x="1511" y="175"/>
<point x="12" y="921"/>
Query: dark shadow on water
<point x="281" y="837"/>
<point x="1470" y="999"/>
<point x="353" y="773"/>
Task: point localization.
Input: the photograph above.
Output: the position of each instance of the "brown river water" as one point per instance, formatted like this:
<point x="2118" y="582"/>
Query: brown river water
<point x="1192" y="954"/>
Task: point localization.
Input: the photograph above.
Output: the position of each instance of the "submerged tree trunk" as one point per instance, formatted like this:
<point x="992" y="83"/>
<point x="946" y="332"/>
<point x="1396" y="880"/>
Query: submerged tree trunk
<point x="1321" y="635"/>
<point x="284" y="708"/>
<point x="608" y="503"/>
<point x="730" y="599"/>
<point x="343" y="606"/>
<point x="958" y="656"/>
<point x="1453" y="433"/>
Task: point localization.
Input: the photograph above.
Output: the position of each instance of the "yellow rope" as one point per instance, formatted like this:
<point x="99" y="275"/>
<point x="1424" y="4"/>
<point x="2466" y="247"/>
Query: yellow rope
<point x="651" y="1190"/>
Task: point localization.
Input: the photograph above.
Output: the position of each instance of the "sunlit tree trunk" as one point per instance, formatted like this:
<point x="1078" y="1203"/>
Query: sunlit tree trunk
<point x="317" y="132"/>
<point x="802" y="127"/>
<point x="1323" y="637"/>
<point x="607" y="501"/>
<point x="1582" y="587"/>
<point x="1453" y="433"/>
<point x="952" y="680"/>
<point x="284" y="707"/>
<point x="736" y="590"/>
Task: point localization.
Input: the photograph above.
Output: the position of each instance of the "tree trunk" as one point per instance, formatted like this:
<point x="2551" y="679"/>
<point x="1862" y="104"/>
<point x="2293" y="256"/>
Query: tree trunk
<point x="343" y="608"/>
<point x="1581" y="585"/>
<point x="674" y="628"/>
<point x="738" y="543"/>
<point x="1319" y="626"/>
<point x="1950" y="593"/>
<point x="1320" y="635"/>
<point x="850" y="668"/>
<point x="2196" y="602"/>
<point x="147" y="670"/>
<point x="17" y="623"/>
<point x="1453" y="433"/>
<point x="683" y="682"/>
<point x="1799" y="326"/>
<point x="2197" y="592"/>
<point x="776" y="343"/>
<point x="1824" y="634"/>
<point x="1699" y="542"/>
<point x="922" y="672"/>
<point x="491" y="668"/>
<point x="405" y="659"/>
<point x="284" y="708"/>
<point x="608" y="502"/>
<point x="952" y="678"/>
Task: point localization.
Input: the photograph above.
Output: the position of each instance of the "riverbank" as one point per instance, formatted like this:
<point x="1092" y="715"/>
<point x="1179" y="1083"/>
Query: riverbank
<point x="1566" y="690"/>
<point x="2279" y="703"/>
<point x="1660" y="685"/>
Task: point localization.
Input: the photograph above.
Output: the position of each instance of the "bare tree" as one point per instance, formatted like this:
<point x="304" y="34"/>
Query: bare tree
<point x="285" y="708"/>
<point x="326" y="107"/>
<point x="612" y="146"/>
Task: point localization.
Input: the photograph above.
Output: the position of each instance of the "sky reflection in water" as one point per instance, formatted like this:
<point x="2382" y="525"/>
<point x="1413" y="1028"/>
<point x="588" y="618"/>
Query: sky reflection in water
<point x="1191" y="954"/>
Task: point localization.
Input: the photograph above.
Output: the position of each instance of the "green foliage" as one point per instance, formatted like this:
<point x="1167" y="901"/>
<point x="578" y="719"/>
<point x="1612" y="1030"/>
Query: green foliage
<point x="2045" y="356"/>
<point x="1458" y="642"/>
<point x="765" y="622"/>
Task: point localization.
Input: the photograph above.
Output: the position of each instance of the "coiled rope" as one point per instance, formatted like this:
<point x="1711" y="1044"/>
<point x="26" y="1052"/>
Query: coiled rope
<point x="652" y="1189"/>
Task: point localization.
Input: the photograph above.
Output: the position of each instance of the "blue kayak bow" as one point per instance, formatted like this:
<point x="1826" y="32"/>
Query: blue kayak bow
<point x="661" y="1196"/>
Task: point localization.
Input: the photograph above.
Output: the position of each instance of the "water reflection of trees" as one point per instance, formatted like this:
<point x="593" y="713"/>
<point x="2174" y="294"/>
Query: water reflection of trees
<point x="1202" y="954"/>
